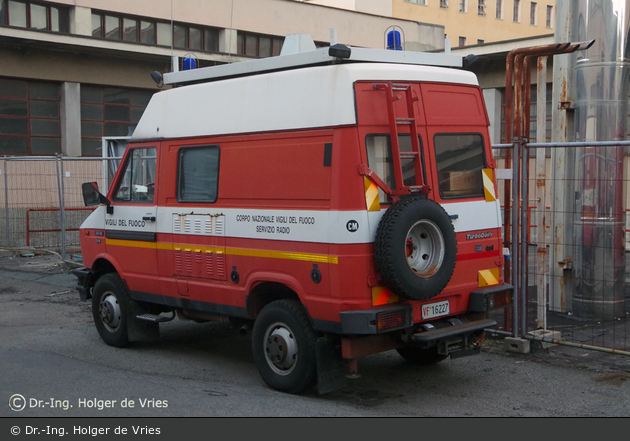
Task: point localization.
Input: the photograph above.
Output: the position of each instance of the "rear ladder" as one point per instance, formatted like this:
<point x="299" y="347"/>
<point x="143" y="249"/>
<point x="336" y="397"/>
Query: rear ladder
<point x="400" y="157"/>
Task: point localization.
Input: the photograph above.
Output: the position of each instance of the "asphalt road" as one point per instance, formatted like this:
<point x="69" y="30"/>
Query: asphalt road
<point x="53" y="363"/>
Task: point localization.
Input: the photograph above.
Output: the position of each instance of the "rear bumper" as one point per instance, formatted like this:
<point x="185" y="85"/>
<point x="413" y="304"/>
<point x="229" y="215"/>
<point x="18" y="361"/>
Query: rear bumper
<point x="463" y="329"/>
<point x="490" y="298"/>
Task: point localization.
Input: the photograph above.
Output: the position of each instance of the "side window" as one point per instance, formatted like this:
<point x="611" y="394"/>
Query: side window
<point x="459" y="160"/>
<point x="380" y="160"/>
<point x="198" y="174"/>
<point x="138" y="180"/>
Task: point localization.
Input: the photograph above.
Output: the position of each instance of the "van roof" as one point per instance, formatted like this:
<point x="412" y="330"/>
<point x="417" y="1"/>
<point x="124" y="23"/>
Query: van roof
<point x="309" y="97"/>
<point x="335" y="54"/>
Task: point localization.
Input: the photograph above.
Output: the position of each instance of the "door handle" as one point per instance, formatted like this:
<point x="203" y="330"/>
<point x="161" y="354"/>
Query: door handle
<point x="148" y="218"/>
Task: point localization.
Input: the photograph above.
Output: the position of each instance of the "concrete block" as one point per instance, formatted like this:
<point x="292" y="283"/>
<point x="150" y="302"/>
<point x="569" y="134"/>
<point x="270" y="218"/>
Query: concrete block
<point x="8" y="253"/>
<point x="546" y="333"/>
<point x="520" y="345"/>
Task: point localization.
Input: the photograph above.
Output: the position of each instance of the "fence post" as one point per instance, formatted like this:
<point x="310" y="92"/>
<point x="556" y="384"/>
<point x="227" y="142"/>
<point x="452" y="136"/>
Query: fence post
<point x="62" y="215"/>
<point x="524" y="246"/>
<point x="514" y="252"/>
<point x="6" y="204"/>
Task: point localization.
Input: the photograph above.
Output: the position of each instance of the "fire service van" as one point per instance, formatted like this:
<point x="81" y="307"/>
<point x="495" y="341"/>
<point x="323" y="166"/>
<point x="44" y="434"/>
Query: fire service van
<point x="337" y="203"/>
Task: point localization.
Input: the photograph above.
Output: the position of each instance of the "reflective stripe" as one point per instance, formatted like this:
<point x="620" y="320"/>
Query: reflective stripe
<point x="382" y="296"/>
<point x="488" y="185"/>
<point x="319" y="258"/>
<point x="131" y="243"/>
<point x="371" y="195"/>
<point x="488" y="277"/>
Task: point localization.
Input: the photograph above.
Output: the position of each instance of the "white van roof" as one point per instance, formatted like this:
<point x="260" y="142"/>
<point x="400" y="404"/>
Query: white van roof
<point x="309" y="97"/>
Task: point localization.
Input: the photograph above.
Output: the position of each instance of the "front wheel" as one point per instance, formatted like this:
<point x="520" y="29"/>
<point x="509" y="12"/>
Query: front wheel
<point x="110" y="306"/>
<point x="284" y="347"/>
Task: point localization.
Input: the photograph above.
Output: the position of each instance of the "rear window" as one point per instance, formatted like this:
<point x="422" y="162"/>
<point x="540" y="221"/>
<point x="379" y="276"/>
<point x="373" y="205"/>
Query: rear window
<point x="460" y="160"/>
<point x="380" y="160"/>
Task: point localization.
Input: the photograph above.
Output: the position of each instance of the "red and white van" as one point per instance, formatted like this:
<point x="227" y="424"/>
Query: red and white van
<point x="339" y="204"/>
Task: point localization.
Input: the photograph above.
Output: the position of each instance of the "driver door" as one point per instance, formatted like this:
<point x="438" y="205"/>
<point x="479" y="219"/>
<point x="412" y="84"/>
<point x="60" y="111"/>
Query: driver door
<point x="131" y="227"/>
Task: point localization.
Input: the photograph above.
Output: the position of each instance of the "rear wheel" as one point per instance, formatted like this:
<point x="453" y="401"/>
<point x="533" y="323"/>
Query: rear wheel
<point x="284" y="347"/>
<point x="110" y="306"/>
<point x="421" y="357"/>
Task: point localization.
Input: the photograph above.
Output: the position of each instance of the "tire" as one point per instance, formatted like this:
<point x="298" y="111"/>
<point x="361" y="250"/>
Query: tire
<point x="415" y="248"/>
<point x="421" y="357"/>
<point x="110" y="307"/>
<point x="284" y="347"/>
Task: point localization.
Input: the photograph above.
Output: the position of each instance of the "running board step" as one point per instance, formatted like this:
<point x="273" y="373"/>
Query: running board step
<point x="156" y="318"/>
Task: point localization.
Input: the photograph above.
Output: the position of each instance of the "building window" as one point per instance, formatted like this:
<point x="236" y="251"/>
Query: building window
<point x="29" y="118"/>
<point x="444" y="4"/>
<point x="481" y="7"/>
<point x="499" y="12"/>
<point x="255" y="45"/>
<point x="136" y="30"/>
<point x="35" y="16"/>
<point x="516" y="14"/>
<point x="462" y="41"/>
<point x="108" y="111"/>
<point x="463" y="5"/>
<point x="549" y="17"/>
<point x="417" y="2"/>
<point x="479" y="41"/>
<point x="533" y="14"/>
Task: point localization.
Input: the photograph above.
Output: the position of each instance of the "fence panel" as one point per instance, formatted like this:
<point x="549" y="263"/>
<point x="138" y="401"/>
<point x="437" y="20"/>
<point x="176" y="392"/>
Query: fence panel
<point x="32" y="192"/>
<point x="575" y="248"/>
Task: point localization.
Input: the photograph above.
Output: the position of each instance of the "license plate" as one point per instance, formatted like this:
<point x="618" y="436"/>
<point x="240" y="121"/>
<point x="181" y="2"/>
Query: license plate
<point x="436" y="309"/>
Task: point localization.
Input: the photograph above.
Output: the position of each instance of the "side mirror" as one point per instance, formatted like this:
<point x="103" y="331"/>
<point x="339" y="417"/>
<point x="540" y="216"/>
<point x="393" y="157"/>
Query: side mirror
<point x="91" y="196"/>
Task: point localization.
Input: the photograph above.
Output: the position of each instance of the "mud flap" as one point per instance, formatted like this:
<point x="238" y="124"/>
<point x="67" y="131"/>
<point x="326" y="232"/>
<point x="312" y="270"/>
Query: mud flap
<point x="331" y="371"/>
<point x="141" y="330"/>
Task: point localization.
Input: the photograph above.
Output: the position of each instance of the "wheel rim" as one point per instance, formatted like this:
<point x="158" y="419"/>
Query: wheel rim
<point x="109" y="312"/>
<point x="281" y="351"/>
<point x="424" y="248"/>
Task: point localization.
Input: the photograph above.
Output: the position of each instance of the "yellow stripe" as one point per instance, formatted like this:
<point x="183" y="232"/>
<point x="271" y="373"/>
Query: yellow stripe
<point x="382" y="296"/>
<point x="320" y="258"/>
<point x="488" y="277"/>
<point x="131" y="243"/>
<point x="488" y="185"/>
<point x="282" y="255"/>
<point x="371" y="195"/>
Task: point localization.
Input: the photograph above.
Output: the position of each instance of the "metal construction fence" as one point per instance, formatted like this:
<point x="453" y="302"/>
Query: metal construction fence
<point x="41" y="205"/>
<point x="568" y="244"/>
<point x="568" y="262"/>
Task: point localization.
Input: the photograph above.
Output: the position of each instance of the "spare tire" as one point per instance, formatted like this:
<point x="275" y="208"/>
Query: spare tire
<point x="415" y="248"/>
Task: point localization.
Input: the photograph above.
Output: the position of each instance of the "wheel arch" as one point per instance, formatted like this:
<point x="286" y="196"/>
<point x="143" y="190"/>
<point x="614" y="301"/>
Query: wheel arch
<point x="266" y="292"/>
<point x="103" y="265"/>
